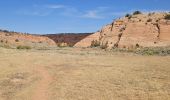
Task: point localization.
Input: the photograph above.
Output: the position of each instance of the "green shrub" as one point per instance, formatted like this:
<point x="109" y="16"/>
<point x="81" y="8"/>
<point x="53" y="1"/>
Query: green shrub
<point x="23" y="47"/>
<point x="137" y="12"/>
<point x="167" y="17"/>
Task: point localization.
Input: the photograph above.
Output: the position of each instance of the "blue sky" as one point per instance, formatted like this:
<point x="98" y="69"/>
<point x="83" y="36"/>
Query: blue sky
<point x="55" y="16"/>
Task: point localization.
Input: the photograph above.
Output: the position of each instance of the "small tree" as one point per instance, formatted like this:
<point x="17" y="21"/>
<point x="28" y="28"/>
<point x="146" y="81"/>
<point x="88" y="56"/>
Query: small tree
<point x="137" y="12"/>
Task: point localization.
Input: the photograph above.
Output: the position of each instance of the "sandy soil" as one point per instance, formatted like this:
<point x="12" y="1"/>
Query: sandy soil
<point x="41" y="91"/>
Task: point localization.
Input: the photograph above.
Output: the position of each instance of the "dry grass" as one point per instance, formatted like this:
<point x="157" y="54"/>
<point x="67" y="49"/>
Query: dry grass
<point x="84" y="74"/>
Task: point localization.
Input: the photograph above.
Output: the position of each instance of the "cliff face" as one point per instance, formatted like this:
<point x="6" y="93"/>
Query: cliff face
<point x="141" y="30"/>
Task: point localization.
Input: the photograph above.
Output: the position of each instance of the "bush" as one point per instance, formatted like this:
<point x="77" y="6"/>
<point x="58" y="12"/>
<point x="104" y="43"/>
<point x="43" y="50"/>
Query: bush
<point x="137" y="12"/>
<point x="127" y="15"/>
<point x="105" y="46"/>
<point x="16" y="40"/>
<point x="95" y="43"/>
<point x="167" y="17"/>
<point x="23" y="47"/>
<point x="61" y="45"/>
<point x="2" y="41"/>
<point x="137" y="45"/>
<point x="149" y="20"/>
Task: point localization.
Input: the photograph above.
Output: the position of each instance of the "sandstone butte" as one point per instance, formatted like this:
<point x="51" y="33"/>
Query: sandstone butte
<point x="142" y="30"/>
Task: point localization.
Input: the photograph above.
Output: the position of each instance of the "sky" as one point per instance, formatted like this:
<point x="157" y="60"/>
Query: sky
<point x="69" y="16"/>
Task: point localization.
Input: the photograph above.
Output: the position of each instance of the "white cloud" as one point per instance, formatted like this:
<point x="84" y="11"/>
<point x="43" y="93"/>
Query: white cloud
<point x="98" y="13"/>
<point x="55" y="6"/>
<point x="92" y="14"/>
<point x="69" y="11"/>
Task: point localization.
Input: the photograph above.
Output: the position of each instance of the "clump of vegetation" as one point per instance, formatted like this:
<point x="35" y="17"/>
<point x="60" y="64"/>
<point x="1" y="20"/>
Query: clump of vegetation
<point x="6" y="46"/>
<point x="40" y="42"/>
<point x="63" y="44"/>
<point x="95" y="43"/>
<point x="16" y="40"/>
<point x="149" y="20"/>
<point x="104" y="46"/>
<point x="167" y="17"/>
<point x="23" y="47"/>
<point x="2" y="41"/>
<point x="149" y="51"/>
<point x="137" y="45"/>
<point x="129" y="16"/>
<point x="150" y="14"/>
<point x="137" y="12"/>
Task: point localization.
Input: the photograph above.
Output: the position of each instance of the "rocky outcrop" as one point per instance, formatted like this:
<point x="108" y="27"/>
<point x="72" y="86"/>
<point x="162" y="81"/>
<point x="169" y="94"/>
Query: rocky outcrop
<point x="140" y="30"/>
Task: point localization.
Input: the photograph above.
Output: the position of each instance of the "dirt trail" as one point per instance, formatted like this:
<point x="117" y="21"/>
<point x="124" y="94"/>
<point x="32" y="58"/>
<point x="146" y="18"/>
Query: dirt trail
<point x="41" y="91"/>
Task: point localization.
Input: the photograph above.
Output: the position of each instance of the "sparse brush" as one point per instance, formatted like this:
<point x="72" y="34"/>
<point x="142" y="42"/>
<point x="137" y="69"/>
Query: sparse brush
<point x="167" y="17"/>
<point x="23" y="47"/>
<point x="95" y="43"/>
<point x="104" y="46"/>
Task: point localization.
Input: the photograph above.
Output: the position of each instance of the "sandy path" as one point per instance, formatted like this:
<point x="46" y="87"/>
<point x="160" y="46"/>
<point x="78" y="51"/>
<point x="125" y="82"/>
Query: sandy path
<point x="41" y="91"/>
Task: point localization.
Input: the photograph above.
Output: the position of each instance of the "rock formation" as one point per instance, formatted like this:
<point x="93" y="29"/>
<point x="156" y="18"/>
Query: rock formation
<point x="139" y="30"/>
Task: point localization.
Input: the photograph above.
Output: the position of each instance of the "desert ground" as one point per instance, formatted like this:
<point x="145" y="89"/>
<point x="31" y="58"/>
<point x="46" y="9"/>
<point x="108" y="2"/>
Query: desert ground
<point x="82" y="74"/>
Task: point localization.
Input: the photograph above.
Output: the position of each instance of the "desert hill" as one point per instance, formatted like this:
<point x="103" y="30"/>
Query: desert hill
<point x="133" y="30"/>
<point x="14" y="39"/>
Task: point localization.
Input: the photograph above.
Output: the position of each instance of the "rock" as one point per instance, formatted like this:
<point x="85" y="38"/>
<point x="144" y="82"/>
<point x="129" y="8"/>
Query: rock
<point x="136" y="31"/>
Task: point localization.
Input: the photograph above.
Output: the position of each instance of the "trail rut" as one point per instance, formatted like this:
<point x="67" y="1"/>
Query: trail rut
<point x="41" y="91"/>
